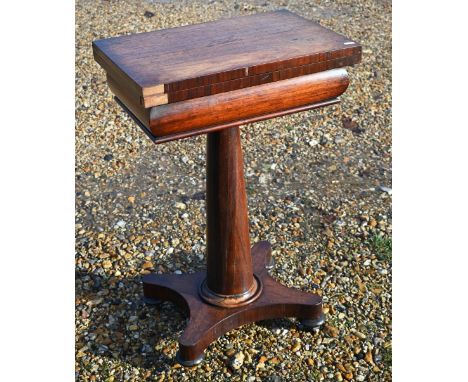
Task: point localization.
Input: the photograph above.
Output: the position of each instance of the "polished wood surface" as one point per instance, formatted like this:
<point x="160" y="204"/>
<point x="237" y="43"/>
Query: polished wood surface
<point x="127" y="98"/>
<point x="238" y="122"/>
<point x="249" y="102"/>
<point x="254" y="80"/>
<point x="224" y="55"/>
<point x="229" y="263"/>
<point x="208" y="322"/>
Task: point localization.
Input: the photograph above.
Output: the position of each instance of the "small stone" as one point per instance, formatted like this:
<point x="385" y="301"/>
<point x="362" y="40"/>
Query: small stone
<point x="237" y="361"/>
<point x="148" y="14"/>
<point x="262" y="179"/>
<point x="388" y="190"/>
<point x="310" y="362"/>
<point x="341" y="367"/>
<point x="349" y="376"/>
<point x="338" y="376"/>
<point x="230" y="352"/>
<point x="121" y="224"/>
<point x="339" y="139"/>
<point x="170" y="251"/>
<point x="108" y="157"/>
<point x="107" y="264"/>
<point x="360" y="378"/>
<point x="275" y="361"/>
<point x="260" y="365"/>
<point x="147" y="265"/>
<point x="331" y="330"/>
<point x="368" y="357"/>
<point x="360" y="335"/>
<point x="178" y="272"/>
<point x="180" y="205"/>
<point x="133" y="327"/>
<point x="131" y="199"/>
<point x="296" y="346"/>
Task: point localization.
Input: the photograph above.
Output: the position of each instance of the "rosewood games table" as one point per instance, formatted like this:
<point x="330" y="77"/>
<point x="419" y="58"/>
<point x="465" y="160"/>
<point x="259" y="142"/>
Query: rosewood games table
<point x="209" y="79"/>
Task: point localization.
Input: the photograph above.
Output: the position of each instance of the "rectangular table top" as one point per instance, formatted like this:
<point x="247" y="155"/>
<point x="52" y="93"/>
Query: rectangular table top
<point x="176" y="64"/>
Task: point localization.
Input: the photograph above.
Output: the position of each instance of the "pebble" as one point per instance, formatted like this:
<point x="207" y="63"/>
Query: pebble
<point x="170" y="251"/>
<point x="368" y="357"/>
<point x="237" y="361"/>
<point x="121" y="224"/>
<point x="386" y="189"/>
<point x="180" y="205"/>
<point x="296" y="346"/>
<point x="331" y="330"/>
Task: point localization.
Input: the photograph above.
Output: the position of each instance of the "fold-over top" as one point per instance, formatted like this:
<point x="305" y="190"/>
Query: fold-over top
<point x="173" y="65"/>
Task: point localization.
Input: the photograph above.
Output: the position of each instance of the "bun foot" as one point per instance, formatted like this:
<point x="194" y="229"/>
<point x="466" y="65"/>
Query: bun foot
<point x="189" y="362"/>
<point x="313" y="323"/>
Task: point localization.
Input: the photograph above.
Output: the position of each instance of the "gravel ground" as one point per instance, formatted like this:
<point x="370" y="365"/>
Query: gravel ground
<point x="319" y="189"/>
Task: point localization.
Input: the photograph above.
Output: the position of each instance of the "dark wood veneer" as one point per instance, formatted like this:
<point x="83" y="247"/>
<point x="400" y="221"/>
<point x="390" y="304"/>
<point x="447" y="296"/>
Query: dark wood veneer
<point x="242" y="48"/>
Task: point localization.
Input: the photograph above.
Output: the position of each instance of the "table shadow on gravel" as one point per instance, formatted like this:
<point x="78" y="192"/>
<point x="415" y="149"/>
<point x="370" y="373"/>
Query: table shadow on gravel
<point x="121" y="326"/>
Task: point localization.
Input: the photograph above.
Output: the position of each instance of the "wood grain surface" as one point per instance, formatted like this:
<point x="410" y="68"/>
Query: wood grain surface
<point x="224" y="55"/>
<point x="248" y="102"/>
<point x="229" y="263"/>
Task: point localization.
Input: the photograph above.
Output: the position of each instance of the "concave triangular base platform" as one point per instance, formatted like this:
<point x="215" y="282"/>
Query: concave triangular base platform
<point x="208" y="322"/>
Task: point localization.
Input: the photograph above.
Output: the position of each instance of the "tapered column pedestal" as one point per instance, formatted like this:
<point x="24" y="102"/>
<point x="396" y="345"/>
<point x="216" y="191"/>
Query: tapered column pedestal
<point x="236" y="288"/>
